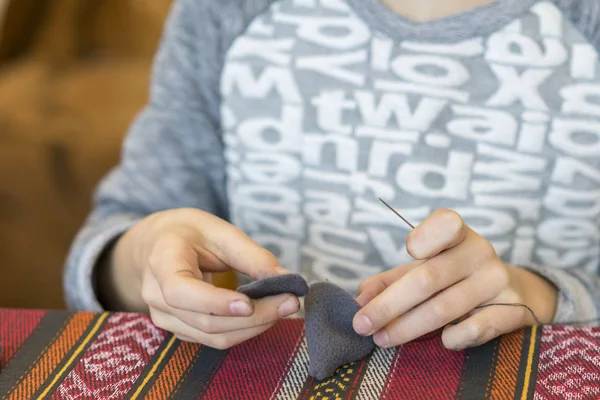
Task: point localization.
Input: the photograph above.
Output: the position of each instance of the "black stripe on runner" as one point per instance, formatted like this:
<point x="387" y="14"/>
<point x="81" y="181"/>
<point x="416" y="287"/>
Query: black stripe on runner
<point x="362" y="371"/>
<point x="478" y="370"/>
<point x="527" y="342"/>
<point x="204" y="365"/>
<point x="344" y="384"/>
<point x="150" y="384"/>
<point x="68" y="356"/>
<point x="45" y="333"/>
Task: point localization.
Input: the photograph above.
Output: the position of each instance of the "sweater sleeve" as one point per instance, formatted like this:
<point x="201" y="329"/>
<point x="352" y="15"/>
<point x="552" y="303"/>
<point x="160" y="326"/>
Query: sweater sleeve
<point x="585" y="15"/>
<point x="579" y="288"/>
<point x="172" y="156"/>
<point x="578" y="293"/>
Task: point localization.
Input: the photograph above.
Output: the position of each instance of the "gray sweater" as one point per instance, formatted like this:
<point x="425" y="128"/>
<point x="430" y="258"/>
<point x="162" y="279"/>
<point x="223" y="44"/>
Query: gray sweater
<point x="289" y="118"/>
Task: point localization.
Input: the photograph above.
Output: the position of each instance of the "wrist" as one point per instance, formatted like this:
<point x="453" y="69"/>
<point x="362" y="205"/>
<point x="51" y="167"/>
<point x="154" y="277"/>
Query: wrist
<point x="118" y="278"/>
<point x="127" y="270"/>
<point x="537" y="292"/>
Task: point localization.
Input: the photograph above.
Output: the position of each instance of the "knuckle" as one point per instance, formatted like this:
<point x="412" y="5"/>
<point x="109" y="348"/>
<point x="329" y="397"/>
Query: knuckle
<point x="410" y="246"/>
<point x="486" y="250"/>
<point x="184" y="338"/>
<point x="484" y="256"/>
<point x="475" y="334"/>
<point x="414" y="245"/>
<point x="428" y="278"/>
<point x="239" y="234"/>
<point x="159" y="321"/>
<point x="271" y="262"/>
<point x="166" y="242"/>
<point x="383" y="311"/>
<point x="221" y="342"/>
<point x="376" y="283"/>
<point x="207" y="325"/>
<point x="512" y="296"/>
<point x="149" y="299"/>
<point x="148" y="295"/>
<point x="479" y="335"/>
<point x="365" y="284"/>
<point x="451" y="344"/>
<point x="237" y="231"/>
<point x="453" y="222"/>
<point x="270" y="259"/>
<point x="195" y="338"/>
<point x="442" y="311"/>
<point x="522" y="314"/>
<point x="171" y="293"/>
<point x="501" y="276"/>
<point x="264" y="319"/>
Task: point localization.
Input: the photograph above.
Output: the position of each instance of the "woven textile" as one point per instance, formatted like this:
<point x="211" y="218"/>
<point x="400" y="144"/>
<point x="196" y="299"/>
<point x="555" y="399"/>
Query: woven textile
<point x="63" y="355"/>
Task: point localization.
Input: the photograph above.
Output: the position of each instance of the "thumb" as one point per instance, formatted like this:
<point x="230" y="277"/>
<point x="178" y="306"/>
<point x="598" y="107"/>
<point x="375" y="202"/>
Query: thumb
<point x="236" y="249"/>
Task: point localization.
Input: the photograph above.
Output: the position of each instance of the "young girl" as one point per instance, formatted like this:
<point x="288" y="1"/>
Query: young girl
<point x="273" y="127"/>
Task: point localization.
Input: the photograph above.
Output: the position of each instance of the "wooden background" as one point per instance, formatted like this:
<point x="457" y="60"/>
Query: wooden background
<point x="73" y="75"/>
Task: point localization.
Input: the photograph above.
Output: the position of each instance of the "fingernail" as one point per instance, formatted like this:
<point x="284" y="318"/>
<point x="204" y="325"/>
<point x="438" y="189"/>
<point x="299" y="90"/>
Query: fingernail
<point x="361" y="301"/>
<point x="381" y="339"/>
<point x="289" y="307"/>
<point x="240" y="308"/>
<point x="282" y="271"/>
<point x="363" y="325"/>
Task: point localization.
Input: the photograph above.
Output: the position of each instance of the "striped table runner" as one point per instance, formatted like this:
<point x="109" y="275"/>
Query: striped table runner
<point x="62" y="355"/>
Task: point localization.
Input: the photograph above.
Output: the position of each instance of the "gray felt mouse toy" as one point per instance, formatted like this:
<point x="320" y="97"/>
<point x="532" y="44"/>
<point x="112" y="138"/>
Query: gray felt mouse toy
<point x="329" y="311"/>
<point x="290" y="283"/>
<point x="332" y="341"/>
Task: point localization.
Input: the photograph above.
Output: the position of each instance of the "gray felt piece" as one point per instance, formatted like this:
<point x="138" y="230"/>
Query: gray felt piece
<point x="290" y="283"/>
<point x="332" y="341"/>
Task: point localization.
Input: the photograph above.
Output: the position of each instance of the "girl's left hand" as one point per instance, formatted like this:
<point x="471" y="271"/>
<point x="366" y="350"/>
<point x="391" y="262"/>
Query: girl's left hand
<point x="455" y="270"/>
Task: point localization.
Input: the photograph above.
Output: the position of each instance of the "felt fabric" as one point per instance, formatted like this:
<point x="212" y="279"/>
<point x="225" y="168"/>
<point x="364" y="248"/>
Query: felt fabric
<point x="62" y="355"/>
<point x="332" y="341"/>
<point x="290" y="283"/>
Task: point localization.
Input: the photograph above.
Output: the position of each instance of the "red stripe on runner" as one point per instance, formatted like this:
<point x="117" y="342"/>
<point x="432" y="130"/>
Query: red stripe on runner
<point x="267" y="356"/>
<point x="15" y="328"/>
<point x="291" y="360"/>
<point x="424" y="369"/>
<point x="568" y="366"/>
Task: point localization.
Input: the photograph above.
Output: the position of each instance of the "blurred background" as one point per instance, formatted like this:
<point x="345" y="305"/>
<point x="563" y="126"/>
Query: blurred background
<point x="73" y="75"/>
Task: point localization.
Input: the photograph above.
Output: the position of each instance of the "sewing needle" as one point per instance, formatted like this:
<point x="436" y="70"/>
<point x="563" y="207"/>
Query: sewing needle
<point x="397" y="213"/>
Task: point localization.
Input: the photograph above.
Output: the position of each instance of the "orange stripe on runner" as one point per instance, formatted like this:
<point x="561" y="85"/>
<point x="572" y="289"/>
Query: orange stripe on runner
<point x="40" y="370"/>
<point x="154" y="367"/>
<point x="173" y="371"/>
<point x="507" y="367"/>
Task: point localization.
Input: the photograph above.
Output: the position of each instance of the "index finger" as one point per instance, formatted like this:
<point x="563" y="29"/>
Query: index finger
<point x="233" y="247"/>
<point x="412" y="289"/>
<point x="179" y="280"/>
